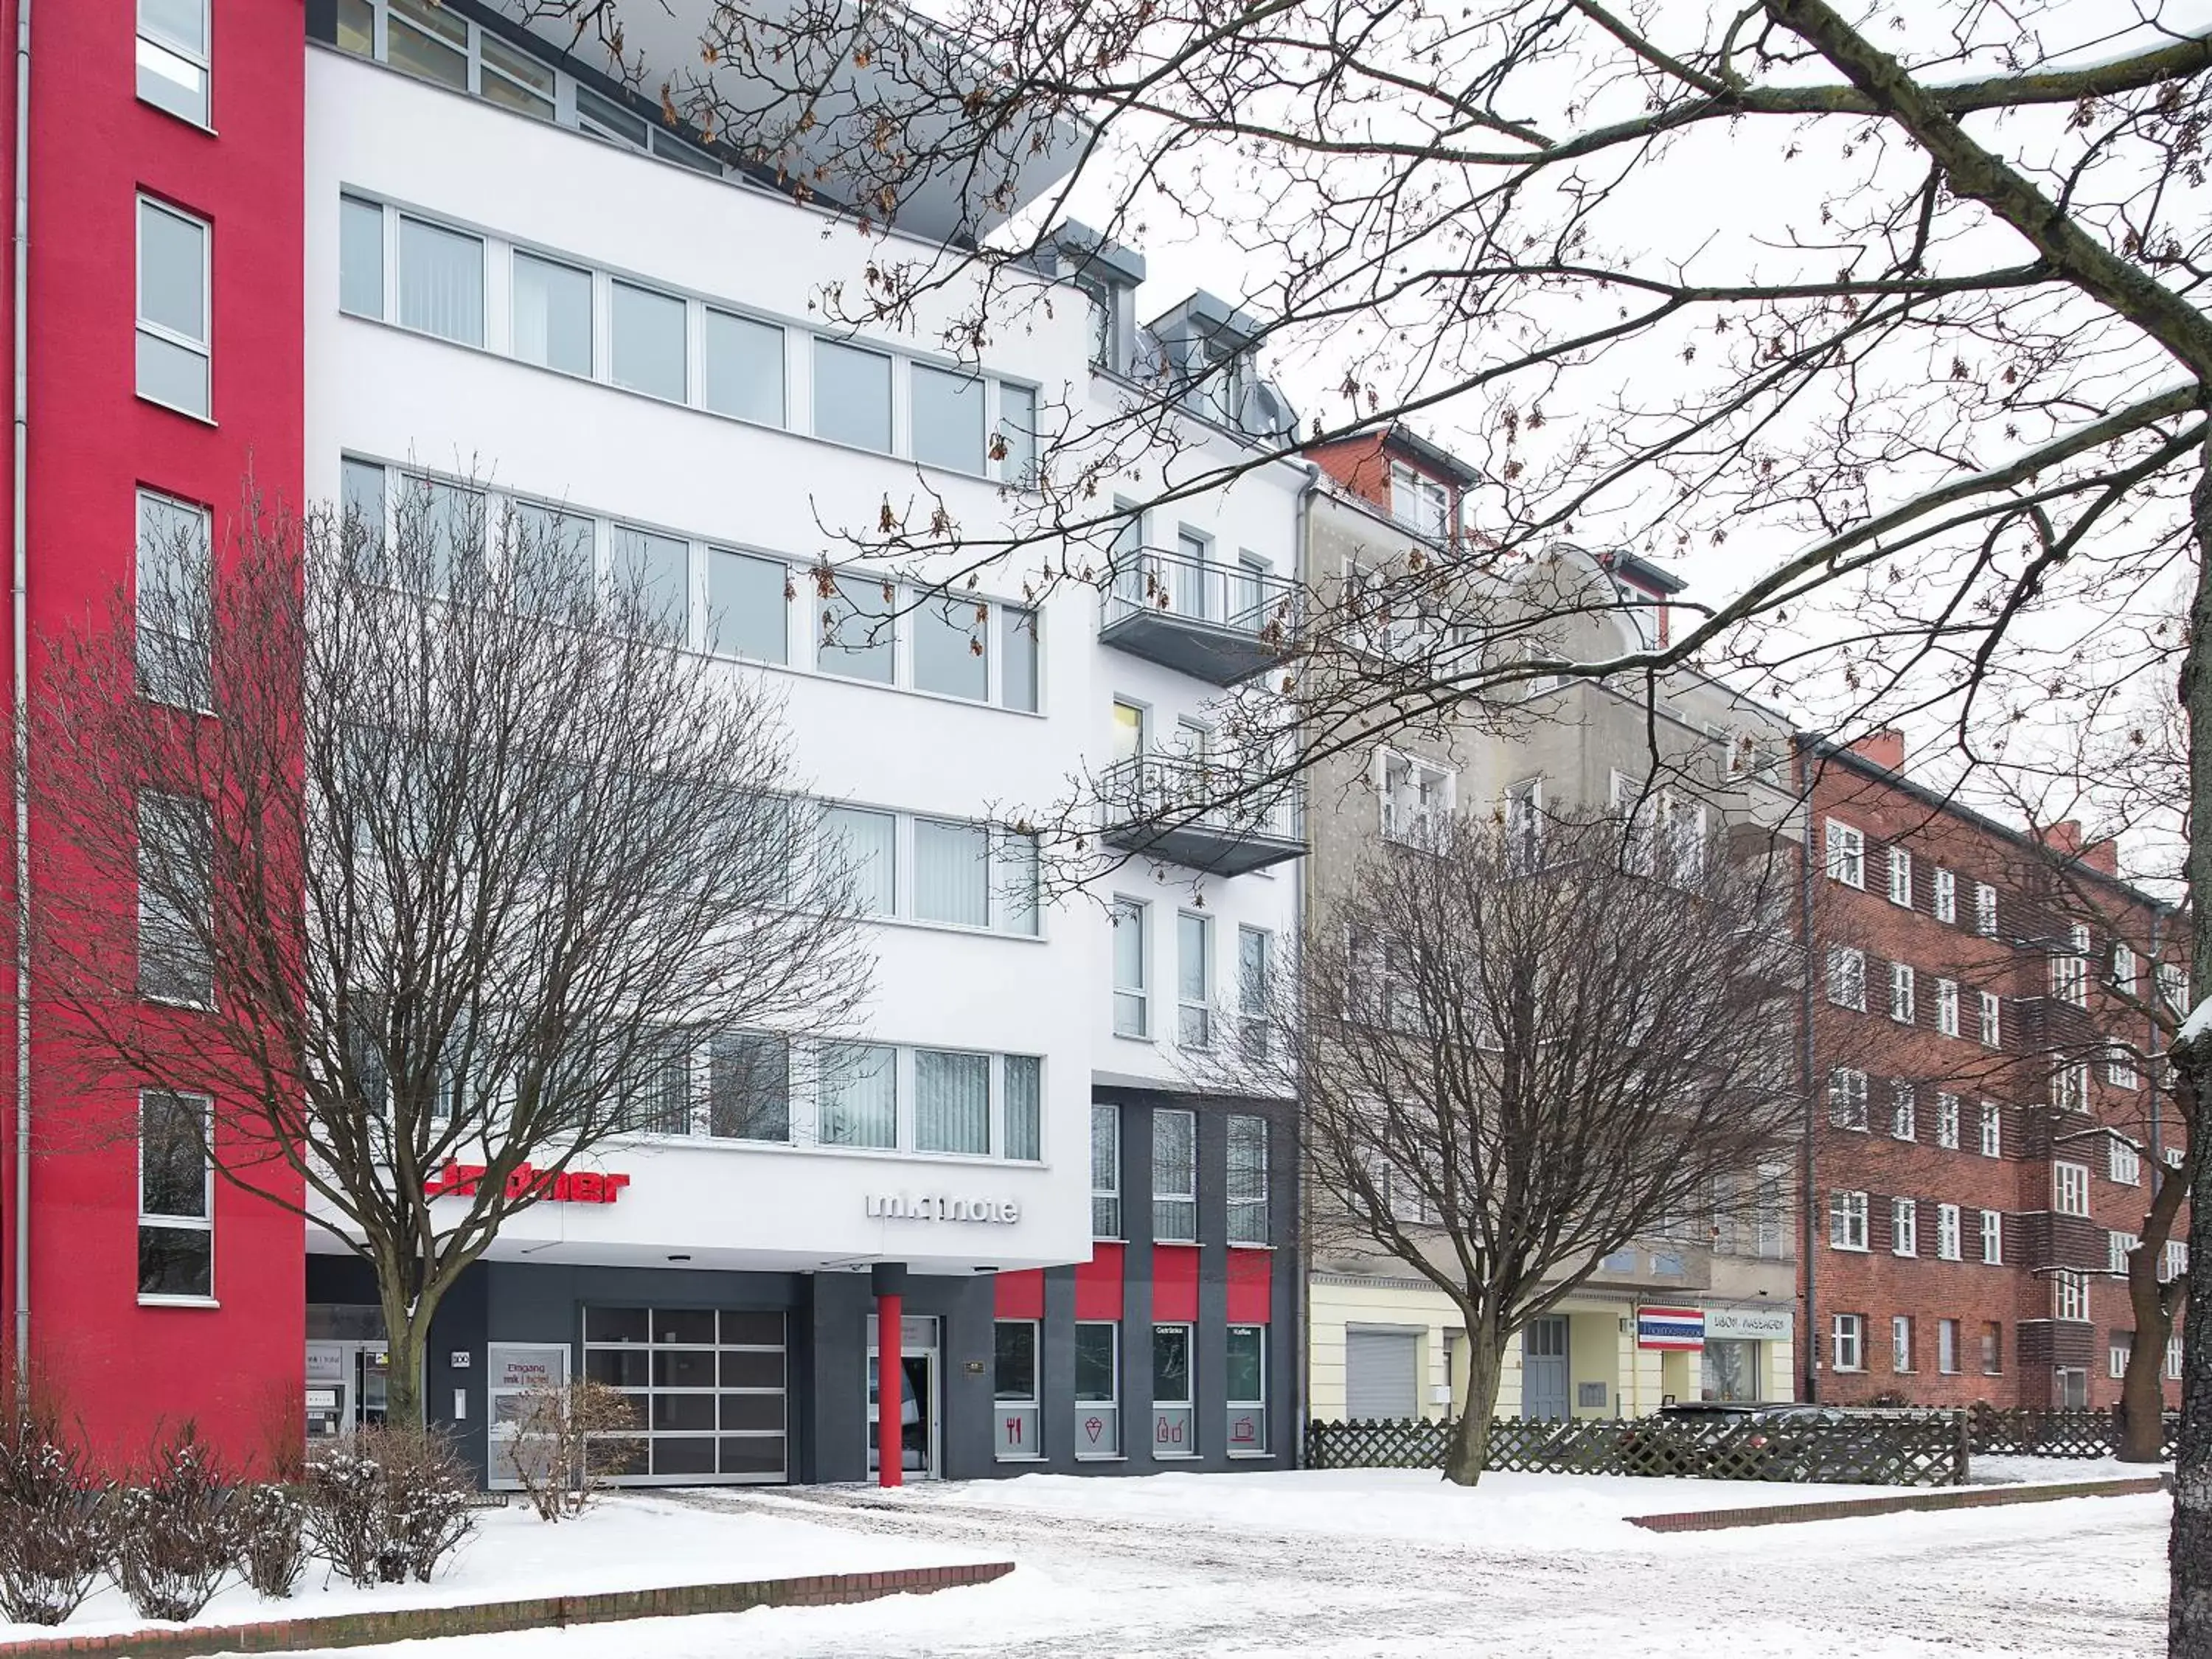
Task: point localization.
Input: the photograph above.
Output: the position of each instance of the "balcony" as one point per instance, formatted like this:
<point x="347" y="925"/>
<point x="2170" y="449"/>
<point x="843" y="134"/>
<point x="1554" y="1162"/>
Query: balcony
<point x="1170" y="807"/>
<point x="1219" y="624"/>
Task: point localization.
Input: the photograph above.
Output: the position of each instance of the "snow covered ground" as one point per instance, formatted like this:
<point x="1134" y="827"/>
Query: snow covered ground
<point x="1390" y="1564"/>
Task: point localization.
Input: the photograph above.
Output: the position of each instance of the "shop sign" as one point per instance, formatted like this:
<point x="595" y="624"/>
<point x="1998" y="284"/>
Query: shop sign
<point x="524" y="1181"/>
<point x="529" y="1367"/>
<point x="938" y="1206"/>
<point x="1671" y="1330"/>
<point x="1247" y="1428"/>
<point x="1750" y="1324"/>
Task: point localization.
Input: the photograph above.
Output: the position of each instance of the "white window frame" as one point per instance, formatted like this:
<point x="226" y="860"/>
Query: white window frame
<point x="1900" y="877"/>
<point x="1904" y="1003"/>
<point x="1184" y="1195"/>
<point x="1903" y="1113"/>
<point x="2070" y="1295"/>
<point x="2120" y="1069"/>
<point x="204" y="1222"/>
<point x="1900" y="1343"/>
<point x="1993" y="1238"/>
<point x="2123" y="1162"/>
<point x="1847" y="1222"/>
<point x="2118" y="1247"/>
<point x="1904" y="1226"/>
<point x="1947" y="1007"/>
<point x="1847" y="1098"/>
<point x="2070" y="970"/>
<point x="1195" y="1019"/>
<point x="2069" y="1187"/>
<point x="202" y="960"/>
<point x="2173" y="1360"/>
<point x="2070" y="1087"/>
<point x="1845" y="853"/>
<point x="1992" y="1032"/>
<point x="1847" y="1342"/>
<point x="1243" y="1208"/>
<point x="2118" y="1352"/>
<point x="2124" y="969"/>
<point x="1132" y="912"/>
<point x="1992" y="1129"/>
<point x="203" y="346"/>
<point x="1949" y="1242"/>
<point x="1947" y="1121"/>
<point x="1946" y="903"/>
<point x="1105" y="1112"/>
<point x="2173" y="1260"/>
<point x="1407" y="820"/>
<point x="200" y="59"/>
<point x="203" y="689"/>
<point x="1847" y="977"/>
<point x="1028" y="1408"/>
<point x="1985" y="910"/>
<point x="1946" y="1347"/>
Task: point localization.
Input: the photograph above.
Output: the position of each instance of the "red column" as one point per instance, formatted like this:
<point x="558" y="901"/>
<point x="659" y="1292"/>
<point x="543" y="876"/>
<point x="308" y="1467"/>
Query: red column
<point x="891" y="1392"/>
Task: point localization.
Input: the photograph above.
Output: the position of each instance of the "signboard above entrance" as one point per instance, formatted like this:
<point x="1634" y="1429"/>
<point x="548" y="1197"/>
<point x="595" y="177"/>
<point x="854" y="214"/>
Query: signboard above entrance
<point x="1671" y="1330"/>
<point x="565" y="1187"/>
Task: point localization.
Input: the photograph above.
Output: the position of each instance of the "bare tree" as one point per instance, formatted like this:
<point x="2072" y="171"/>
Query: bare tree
<point x="1520" y="1046"/>
<point x="406" y="867"/>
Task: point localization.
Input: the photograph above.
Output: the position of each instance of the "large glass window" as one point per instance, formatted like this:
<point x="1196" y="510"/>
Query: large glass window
<point x="951" y="872"/>
<point x="173" y="632"/>
<point x="512" y="79"/>
<point x="1131" y="1006"/>
<point x="1018" y="658"/>
<point x="706" y="1387"/>
<point x="744" y="363"/>
<point x="656" y="1088"/>
<point x="950" y="650"/>
<point x="948" y="419"/>
<point x="865" y="844"/>
<point x="749" y="1088"/>
<point x="174" y="353"/>
<point x="1014" y="1377"/>
<point x="858" y="1096"/>
<point x="951" y="1103"/>
<point x="1105" y="1170"/>
<point x="1255" y="960"/>
<point x="1174" y="1177"/>
<point x="858" y="630"/>
<point x="1174" y="1432"/>
<point x="552" y="556"/>
<point x="172" y="57"/>
<point x="655" y="571"/>
<point x="176" y="1197"/>
<point x="442" y="281"/>
<point x="360" y="256"/>
<point x="648" y="341"/>
<point x="1098" y="1390"/>
<point x="552" y="315"/>
<point x="176" y="889"/>
<point x="1248" y="1180"/>
<point x="1014" y="882"/>
<point x="748" y="605"/>
<point x="852" y="396"/>
<point x="1018" y="435"/>
<point x="441" y="530"/>
<point x="1245" y="1375"/>
<point x="1193" y="979"/>
<point x="426" y="39"/>
<point x="1024" y="1108"/>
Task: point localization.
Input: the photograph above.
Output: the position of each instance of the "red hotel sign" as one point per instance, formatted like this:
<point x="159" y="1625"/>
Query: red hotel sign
<point x="568" y="1187"/>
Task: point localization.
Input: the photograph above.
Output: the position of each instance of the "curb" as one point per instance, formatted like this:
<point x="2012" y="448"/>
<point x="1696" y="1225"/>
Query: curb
<point x="356" y="1630"/>
<point x="1843" y="1509"/>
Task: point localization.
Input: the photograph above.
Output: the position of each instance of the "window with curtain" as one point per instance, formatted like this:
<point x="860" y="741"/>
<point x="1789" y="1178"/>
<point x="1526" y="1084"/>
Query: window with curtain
<point x="748" y="606"/>
<point x="1014" y="882"/>
<point x="1174" y="1177"/>
<point x="852" y="396"/>
<point x="951" y="872"/>
<point x="656" y="570"/>
<point x="441" y="283"/>
<point x="360" y="256"/>
<point x="744" y="364"/>
<point x="552" y="306"/>
<point x="1248" y="1180"/>
<point x="1024" y="1108"/>
<point x="858" y="1096"/>
<point x="1018" y="659"/>
<point x="647" y="336"/>
<point x="749" y="1088"/>
<point x="948" y="419"/>
<point x="865" y="844"/>
<point x="951" y="656"/>
<point x="858" y="630"/>
<point x="951" y="1103"/>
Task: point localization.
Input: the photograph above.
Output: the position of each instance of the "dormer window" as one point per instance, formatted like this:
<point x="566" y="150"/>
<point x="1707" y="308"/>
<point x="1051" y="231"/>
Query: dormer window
<point x="1417" y="502"/>
<point x="1644" y="613"/>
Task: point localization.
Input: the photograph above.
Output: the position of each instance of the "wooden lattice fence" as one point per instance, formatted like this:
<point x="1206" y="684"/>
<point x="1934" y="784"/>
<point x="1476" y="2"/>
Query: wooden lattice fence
<point x="1991" y="1432"/>
<point x="1867" y="1447"/>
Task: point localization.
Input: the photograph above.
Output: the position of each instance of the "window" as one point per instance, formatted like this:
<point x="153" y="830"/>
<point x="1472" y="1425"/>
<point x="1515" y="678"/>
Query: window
<point x="360" y="256"/>
<point x="1900" y="1343"/>
<point x="648" y="349"/>
<point x="1017" y="448"/>
<point x="947" y="418"/>
<point x="2069" y="1186"/>
<point x="2173" y="986"/>
<point x="2070" y="1294"/>
<point x="1947" y="1007"/>
<point x="425" y="40"/>
<point x="653" y="573"/>
<point x="1018" y="659"/>
<point x="1900" y="877"/>
<point x="2173" y="1360"/>
<point x="1105" y="1171"/>
<point x="1904" y="1116"/>
<point x="1947" y="1122"/>
<point x="552" y="315"/>
<point x="1947" y="1242"/>
<point x="1847" y="1342"/>
<point x="1416" y="796"/>
<point x="1985" y="909"/>
<point x="1846" y="855"/>
<point x="172" y="57"/>
<point x="1524" y="824"/>
<point x="1256" y="959"/>
<point x="361" y="490"/>
<point x="852" y="396"/>
<point x="2070" y="1087"/>
<point x="1014" y="1390"/>
<point x="512" y="80"/>
<point x="2117" y="1352"/>
<point x="173" y="308"/>
<point x="1992" y="1020"/>
<point x="1174" y="1433"/>
<point x="1904" y="1226"/>
<point x="858" y="1096"/>
<point x="1245" y="1368"/>
<point x="1992" y="1129"/>
<point x="749" y="1088"/>
<point x="951" y="872"/>
<point x="951" y="1103"/>
<point x="1174" y="1177"/>
<point x="1992" y="1348"/>
<point x="743" y="361"/>
<point x="172" y="637"/>
<point x="2173" y="1260"/>
<point x="1946" y="903"/>
<point x="708" y="1387"/>
<point x="1417" y="503"/>
<point x="1993" y="1238"/>
<point x="175" y="901"/>
<point x="1022" y="1108"/>
<point x="2070" y="970"/>
<point x="2124" y="970"/>
<point x="859" y="630"/>
<point x="1946" y="1347"/>
<point x="1014" y="877"/>
<point x="1248" y="1180"/>
<point x="442" y="281"/>
<point x="1193" y="979"/>
<point x="864" y="843"/>
<point x="2120" y="1067"/>
<point x="1132" y="1004"/>
<point x="1901" y="992"/>
<point x="1847" y="1098"/>
<point x="1847" y="977"/>
<point x="1098" y="1390"/>
<point x="176" y="1197"/>
<point x="2173" y="1157"/>
<point x="1847" y="1221"/>
<point x="2118" y="1247"/>
<point x="2123" y="1163"/>
<point x="952" y="648"/>
<point x="747" y="605"/>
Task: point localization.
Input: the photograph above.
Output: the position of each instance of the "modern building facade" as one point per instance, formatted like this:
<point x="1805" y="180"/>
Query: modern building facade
<point x="389" y="252"/>
<point x="1704" y="1312"/>
<point x="1989" y="1138"/>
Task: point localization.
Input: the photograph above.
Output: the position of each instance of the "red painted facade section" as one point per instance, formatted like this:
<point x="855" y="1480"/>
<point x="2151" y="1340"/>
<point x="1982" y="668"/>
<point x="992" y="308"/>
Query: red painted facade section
<point x="125" y="1369"/>
<point x="1021" y="1295"/>
<point x="1175" y="1284"/>
<point x="1251" y="1285"/>
<point x="1098" y="1283"/>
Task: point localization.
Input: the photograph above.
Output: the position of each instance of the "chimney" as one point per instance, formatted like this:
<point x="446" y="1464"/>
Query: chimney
<point x="2064" y="837"/>
<point x="1885" y="748"/>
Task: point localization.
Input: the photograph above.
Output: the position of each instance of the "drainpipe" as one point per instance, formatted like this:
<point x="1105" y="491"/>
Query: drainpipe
<point x="1301" y="1402"/>
<point x="23" y="692"/>
<point x="1808" y="1220"/>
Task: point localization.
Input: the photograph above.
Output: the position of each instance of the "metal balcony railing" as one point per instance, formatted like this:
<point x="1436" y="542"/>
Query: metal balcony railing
<point x="1187" y="809"/>
<point x="1222" y="623"/>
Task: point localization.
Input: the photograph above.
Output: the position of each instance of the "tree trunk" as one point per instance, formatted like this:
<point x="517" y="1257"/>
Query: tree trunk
<point x="406" y="1344"/>
<point x="1470" y="1442"/>
<point x="2142" y="1394"/>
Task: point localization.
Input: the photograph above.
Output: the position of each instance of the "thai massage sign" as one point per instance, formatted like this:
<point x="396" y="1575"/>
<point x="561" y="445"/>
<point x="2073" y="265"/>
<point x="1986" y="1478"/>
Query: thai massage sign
<point x="524" y="1181"/>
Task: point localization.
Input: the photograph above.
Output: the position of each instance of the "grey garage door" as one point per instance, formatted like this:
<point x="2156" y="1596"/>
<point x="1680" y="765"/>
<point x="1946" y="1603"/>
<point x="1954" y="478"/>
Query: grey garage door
<point x="1381" y="1374"/>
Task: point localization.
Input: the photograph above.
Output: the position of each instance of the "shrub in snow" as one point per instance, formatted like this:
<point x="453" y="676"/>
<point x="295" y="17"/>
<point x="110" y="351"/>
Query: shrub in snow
<point x="270" y="1528"/>
<point x="569" y="1438"/>
<point x="172" y="1538"/>
<point x="55" y="1520"/>
<point x="389" y="1504"/>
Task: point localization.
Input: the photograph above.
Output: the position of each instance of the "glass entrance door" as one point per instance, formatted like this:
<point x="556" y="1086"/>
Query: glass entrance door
<point x="919" y="1413"/>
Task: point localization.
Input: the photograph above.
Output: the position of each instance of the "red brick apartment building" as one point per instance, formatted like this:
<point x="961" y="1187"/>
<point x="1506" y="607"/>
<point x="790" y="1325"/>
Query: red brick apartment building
<point x="1986" y="1138"/>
